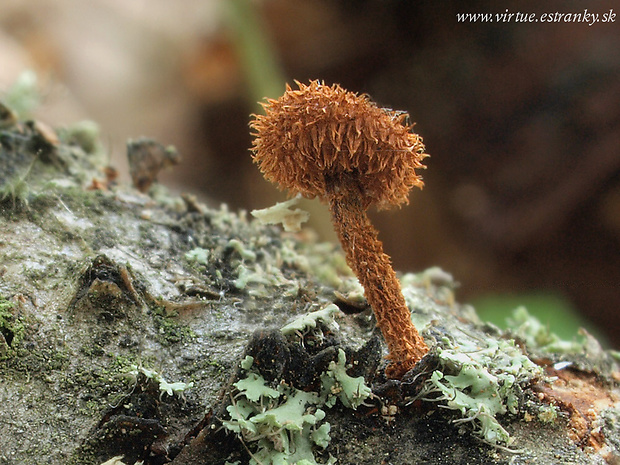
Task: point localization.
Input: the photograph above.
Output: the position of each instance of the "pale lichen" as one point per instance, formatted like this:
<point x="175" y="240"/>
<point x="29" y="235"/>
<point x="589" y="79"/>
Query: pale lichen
<point x="539" y="336"/>
<point x="198" y="255"/>
<point x="165" y="387"/>
<point x="310" y="321"/>
<point x="481" y="380"/>
<point x="23" y="95"/>
<point x="282" y="213"/>
<point x="284" y="425"/>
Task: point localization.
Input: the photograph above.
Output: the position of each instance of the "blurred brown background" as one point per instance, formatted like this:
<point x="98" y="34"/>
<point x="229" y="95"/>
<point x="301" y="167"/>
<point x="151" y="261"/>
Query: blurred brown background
<point x="522" y="120"/>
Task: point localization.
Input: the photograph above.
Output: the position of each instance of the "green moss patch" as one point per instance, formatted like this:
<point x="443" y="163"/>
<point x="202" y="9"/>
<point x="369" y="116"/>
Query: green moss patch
<point x="11" y="329"/>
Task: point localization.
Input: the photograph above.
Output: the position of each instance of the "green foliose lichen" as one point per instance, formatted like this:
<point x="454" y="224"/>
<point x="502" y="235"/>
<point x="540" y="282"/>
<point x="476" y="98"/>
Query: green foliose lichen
<point x="310" y="321"/>
<point x="539" y="336"/>
<point x="337" y="384"/>
<point x="285" y="425"/>
<point x="283" y="213"/>
<point x="198" y="255"/>
<point x="165" y="387"/>
<point x="282" y="425"/>
<point x="481" y="380"/>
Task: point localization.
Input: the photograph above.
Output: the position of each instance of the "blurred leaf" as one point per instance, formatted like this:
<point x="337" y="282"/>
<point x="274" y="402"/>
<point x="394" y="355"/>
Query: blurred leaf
<point x="257" y="55"/>
<point x="551" y="309"/>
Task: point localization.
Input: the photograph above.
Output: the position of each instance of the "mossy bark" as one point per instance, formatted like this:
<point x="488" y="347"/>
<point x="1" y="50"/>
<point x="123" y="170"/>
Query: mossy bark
<point x="103" y="310"/>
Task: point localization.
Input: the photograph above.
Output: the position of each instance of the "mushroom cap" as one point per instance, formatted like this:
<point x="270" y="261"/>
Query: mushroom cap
<point x="318" y="134"/>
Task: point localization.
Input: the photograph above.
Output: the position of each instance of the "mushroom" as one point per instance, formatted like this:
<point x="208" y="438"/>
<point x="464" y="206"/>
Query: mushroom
<point x="323" y="141"/>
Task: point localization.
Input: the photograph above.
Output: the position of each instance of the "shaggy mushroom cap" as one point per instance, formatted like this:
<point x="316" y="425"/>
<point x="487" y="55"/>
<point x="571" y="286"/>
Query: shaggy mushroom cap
<point x="319" y="134"/>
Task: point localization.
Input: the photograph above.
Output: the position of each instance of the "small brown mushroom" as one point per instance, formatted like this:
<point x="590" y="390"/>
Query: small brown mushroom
<point x="323" y="141"/>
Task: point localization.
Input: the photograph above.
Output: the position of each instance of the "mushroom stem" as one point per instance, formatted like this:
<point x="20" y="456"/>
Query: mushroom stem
<point x="364" y="254"/>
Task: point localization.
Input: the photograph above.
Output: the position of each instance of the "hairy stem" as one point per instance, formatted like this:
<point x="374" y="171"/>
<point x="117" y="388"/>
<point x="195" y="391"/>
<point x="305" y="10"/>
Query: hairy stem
<point x="373" y="268"/>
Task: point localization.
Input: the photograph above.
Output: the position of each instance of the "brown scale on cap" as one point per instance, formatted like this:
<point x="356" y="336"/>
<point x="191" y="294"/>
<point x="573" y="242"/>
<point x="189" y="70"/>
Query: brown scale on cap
<point x="323" y="141"/>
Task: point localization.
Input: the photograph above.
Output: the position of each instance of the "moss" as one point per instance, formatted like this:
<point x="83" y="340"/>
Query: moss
<point x="12" y="329"/>
<point x="84" y="134"/>
<point x="15" y="193"/>
<point x="29" y="359"/>
<point x="97" y="382"/>
<point x="205" y="369"/>
<point x="169" y="331"/>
